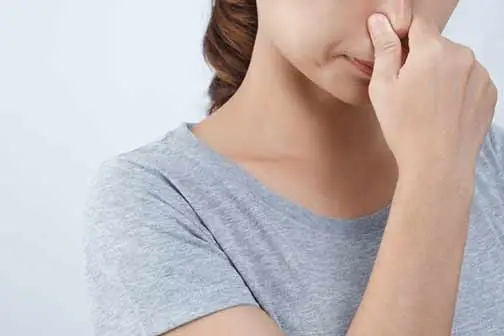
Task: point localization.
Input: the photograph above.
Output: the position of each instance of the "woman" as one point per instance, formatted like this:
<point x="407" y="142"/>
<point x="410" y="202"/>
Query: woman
<point x="347" y="181"/>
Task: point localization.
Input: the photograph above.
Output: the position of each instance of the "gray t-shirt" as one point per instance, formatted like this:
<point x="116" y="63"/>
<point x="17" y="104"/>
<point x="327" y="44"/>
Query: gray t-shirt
<point x="174" y="231"/>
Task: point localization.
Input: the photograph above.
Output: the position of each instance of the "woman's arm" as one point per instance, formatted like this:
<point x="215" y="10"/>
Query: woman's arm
<point x="413" y="286"/>
<point x="434" y="112"/>
<point x="237" y="321"/>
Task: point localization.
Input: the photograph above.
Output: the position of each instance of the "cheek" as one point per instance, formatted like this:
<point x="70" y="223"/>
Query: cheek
<point x="301" y="29"/>
<point x="303" y="48"/>
<point x="309" y="42"/>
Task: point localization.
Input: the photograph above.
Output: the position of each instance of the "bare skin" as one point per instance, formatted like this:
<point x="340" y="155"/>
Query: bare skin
<point x="349" y="159"/>
<point x="332" y="150"/>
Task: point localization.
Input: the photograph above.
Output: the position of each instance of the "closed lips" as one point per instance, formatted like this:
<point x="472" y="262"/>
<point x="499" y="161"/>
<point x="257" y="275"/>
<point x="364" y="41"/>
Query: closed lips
<point x="369" y="65"/>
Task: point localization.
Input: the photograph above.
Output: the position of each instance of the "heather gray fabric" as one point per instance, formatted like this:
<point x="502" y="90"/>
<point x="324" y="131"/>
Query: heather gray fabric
<point x="174" y="231"/>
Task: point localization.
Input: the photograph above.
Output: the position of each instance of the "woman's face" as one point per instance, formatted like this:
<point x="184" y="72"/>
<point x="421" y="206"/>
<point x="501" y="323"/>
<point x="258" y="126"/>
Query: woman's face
<point x="321" y="37"/>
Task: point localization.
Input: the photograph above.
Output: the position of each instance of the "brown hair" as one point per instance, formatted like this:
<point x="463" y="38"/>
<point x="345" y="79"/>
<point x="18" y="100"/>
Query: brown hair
<point x="227" y="47"/>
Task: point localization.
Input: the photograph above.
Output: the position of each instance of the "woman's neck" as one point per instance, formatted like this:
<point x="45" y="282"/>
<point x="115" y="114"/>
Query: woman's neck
<point x="278" y="112"/>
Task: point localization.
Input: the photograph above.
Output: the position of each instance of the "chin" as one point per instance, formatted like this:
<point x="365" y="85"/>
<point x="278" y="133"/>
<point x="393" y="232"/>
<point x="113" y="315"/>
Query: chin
<point x="354" y="95"/>
<point x="349" y="88"/>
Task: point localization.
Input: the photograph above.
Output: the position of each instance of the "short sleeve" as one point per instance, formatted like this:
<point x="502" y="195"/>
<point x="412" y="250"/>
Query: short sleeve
<point x="151" y="266"/>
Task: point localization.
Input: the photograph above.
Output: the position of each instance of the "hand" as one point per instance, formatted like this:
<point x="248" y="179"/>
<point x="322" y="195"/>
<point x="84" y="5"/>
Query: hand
<point x="436" y="109"/>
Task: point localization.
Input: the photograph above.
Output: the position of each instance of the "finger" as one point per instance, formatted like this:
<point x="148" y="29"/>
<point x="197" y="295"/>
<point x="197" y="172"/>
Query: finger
<point x="490" y="99"/>
<point x="485" y="110"/>
<point x="420" y="30"/>
<point x="477" y="85"/>
<point x="387" y="48"/>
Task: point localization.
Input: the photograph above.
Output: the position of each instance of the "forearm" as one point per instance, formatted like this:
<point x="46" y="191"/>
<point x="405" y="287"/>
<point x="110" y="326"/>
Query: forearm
<point x="414" y="283"/>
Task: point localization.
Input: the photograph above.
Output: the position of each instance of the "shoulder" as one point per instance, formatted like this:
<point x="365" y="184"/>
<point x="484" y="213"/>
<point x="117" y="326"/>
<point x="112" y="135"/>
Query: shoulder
<point x="161" y="158"/>
<point x="151" y="264"/>
<point x="150" y="166"/>
<point x="137" y="187"/>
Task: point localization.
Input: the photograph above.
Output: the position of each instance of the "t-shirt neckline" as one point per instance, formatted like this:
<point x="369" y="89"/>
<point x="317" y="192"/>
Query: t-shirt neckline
<point x="270" y="198"/>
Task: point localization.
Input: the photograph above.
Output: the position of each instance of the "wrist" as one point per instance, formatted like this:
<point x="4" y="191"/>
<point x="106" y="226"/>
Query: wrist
<point x="440" y="181"/>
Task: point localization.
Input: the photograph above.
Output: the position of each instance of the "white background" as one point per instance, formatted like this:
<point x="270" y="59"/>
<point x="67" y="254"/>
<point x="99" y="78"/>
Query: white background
<point x="83" y="80"/>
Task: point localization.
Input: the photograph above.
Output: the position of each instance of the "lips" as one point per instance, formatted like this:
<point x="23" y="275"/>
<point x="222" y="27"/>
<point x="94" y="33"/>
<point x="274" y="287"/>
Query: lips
<point x="367" y="64"/>
<point x="365" y="67"/>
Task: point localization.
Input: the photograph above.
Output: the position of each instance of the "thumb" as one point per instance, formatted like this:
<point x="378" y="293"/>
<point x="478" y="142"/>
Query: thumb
<point x="387" y="46"/>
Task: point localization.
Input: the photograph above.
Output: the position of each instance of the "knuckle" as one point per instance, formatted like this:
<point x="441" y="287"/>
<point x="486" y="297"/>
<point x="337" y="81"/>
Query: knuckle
<point x="493" y="93"/>
<point x="480" y="75"/>
<point x="484" y="73"/>
<point x="436" y="48"/>
<point x="466" y="57"/>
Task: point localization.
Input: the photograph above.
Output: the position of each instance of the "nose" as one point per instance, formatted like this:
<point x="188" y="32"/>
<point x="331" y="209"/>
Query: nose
<point x="399" y="13"/>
